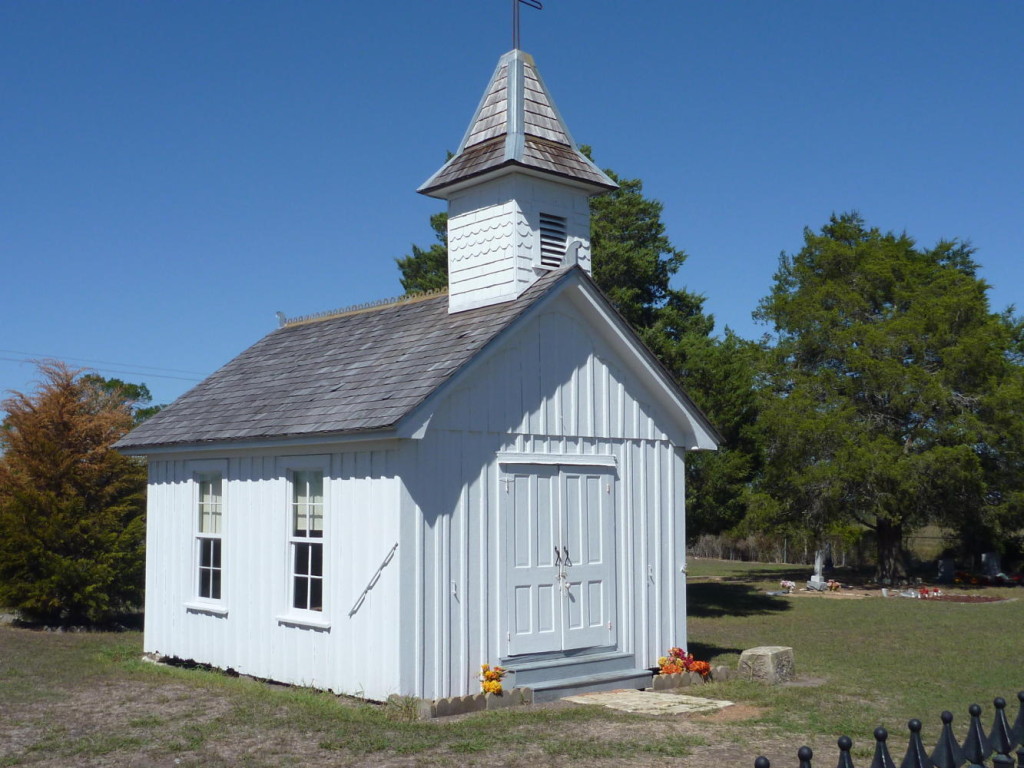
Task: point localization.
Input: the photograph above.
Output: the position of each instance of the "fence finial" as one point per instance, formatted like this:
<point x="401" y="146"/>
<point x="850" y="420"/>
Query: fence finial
<point x="882" y="757"/>
<point x="805" y="754"/>
<point x="916" y="756"/>
<point x="976" y="746"/>
<point x="947" y="752"/>
<point x="1018" y="725"/>
<point x="1001" y="737"/>
<point x="762" y="762"/>
<point x="845" y="745"/>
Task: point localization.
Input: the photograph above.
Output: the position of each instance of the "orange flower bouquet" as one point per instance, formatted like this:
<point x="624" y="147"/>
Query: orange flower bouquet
<point x="490" y="678"/>
<point x="679" y="660"/>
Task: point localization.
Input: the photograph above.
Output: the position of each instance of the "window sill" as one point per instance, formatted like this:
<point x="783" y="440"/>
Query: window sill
<point x="304" y="620"/>
<point x="216" y="610"/>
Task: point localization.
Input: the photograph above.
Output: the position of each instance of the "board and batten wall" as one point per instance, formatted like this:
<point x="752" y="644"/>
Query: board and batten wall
<point x="250" y="629"/>
<point x="552" y="389"/>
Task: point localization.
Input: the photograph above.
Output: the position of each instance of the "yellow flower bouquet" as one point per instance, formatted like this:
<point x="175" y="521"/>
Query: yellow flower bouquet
<point x="490" y="678"/>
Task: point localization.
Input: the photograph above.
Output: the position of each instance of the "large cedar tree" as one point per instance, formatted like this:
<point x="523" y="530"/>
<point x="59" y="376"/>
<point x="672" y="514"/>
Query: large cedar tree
<point x="71" y="508"/>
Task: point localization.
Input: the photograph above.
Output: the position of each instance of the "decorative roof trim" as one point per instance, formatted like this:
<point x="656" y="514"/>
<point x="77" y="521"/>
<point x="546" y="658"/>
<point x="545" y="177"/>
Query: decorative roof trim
<point x="355" y="309"/>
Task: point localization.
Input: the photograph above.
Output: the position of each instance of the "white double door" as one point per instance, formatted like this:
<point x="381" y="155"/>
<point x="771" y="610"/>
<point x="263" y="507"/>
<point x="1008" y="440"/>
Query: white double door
<point x="559" y="558"/>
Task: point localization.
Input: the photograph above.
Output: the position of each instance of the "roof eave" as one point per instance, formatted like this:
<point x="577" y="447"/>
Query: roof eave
<point x="270" y="441"/>
<point x="445" y="190"/>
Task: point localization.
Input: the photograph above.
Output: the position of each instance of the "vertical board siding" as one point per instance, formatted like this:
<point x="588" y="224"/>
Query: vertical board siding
<point x="678" y="461"/>
<point x="456" y="492"/>
<point x="555" y="389"/>
<point x="555" y="379"/>
<point x="361" y="496"/>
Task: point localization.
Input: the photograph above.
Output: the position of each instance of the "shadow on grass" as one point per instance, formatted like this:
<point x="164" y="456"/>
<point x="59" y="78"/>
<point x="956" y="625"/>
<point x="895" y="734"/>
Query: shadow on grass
<point x="793" y="572"/>
<point x="706" y="651"/>
<point x="713" y="599"/>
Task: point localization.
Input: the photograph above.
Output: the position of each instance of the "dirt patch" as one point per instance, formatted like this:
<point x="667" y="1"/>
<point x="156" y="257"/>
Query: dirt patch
<point x="843" y="594"/>
<point x="859" y="593"/>
<point x="735" y="713"/>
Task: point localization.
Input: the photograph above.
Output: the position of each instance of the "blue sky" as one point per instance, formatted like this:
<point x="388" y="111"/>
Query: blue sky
<point x="173" y="173"/>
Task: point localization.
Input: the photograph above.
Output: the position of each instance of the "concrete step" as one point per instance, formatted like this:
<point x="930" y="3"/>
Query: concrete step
<point x="608" y="681"/>
<point x="530" y="673"/>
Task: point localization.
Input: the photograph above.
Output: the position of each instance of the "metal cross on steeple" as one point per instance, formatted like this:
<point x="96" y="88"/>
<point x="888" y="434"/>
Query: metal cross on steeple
<point x="515" y="18"/>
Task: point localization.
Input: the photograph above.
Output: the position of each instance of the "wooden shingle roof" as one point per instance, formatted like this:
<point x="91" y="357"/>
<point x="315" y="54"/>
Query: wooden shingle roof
<point x="355" y="371"/>
<point x="517" y="125"/>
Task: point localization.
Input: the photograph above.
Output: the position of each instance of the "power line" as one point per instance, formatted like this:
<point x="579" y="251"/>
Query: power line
<point x="147" y="374"/>
<point x="39" y="355"/>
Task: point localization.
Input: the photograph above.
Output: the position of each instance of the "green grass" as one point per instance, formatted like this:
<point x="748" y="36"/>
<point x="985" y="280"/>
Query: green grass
<point x="873" y="661"/>
<point x="88" y="699"/>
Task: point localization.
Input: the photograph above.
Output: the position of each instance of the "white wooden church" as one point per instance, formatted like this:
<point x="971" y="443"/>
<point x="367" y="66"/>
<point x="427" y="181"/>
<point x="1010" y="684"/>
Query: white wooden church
<point x="379" y="500"/>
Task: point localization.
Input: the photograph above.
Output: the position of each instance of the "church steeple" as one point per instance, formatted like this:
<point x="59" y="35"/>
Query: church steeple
<point x="517" y="124"/>
<point x="518" y="191"/>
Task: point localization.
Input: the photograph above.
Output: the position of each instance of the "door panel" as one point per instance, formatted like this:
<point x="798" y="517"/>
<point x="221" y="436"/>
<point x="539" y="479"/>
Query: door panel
<point x="535" y="610"/>
<point x="589" y="538"/>
<point x="559" y="515"/>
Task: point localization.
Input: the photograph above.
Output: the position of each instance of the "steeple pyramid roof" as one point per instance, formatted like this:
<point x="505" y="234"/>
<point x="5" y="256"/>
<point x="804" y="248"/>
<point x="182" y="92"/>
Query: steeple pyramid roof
<point x="517" y="124"/>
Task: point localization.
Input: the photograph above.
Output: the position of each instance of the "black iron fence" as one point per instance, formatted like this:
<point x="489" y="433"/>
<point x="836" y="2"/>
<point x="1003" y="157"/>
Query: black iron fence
<point x="995" y="749"/>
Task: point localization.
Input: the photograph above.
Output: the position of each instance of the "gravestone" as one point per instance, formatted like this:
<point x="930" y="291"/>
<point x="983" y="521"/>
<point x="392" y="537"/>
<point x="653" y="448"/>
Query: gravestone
<point x="817" y="581"/>
<point x="947" y="571"/>
<point x="767" y="664"/>
<point x="990" y="564"/>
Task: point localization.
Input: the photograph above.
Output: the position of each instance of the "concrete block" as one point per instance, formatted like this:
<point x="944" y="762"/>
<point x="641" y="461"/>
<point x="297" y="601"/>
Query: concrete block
<point x="461" y="705"/>
<point x="670" y="682"/>
<point x="501" y="701"/>
<point x="767" y="663"/>
<point x="442" y="707"/>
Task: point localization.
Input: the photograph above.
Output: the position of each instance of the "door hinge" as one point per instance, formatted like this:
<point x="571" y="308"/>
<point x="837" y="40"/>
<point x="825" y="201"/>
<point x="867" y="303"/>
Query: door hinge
<point x="609" y="626"/>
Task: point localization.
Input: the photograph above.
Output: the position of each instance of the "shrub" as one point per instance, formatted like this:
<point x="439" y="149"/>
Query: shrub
<point x="72" y="509"/>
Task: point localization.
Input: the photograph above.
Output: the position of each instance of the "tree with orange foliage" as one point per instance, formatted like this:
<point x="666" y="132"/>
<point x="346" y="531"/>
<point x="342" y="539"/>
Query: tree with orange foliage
<point x="72" y="510"/>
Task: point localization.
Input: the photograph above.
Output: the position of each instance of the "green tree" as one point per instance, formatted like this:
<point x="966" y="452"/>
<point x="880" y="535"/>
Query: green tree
<point x="721" y="375"/>
<point x="885" y="389"/>
<point x="426" y="269"/>
<point x="71" y="508"/>
<point x="138" y="396"/>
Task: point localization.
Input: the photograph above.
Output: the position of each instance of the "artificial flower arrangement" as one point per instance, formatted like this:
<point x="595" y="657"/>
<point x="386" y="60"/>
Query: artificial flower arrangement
<point x="932" y="592"/>
<point x="679" y="660"/>
<point x="787" y="585"/>
<point x="490" y="678"/>
<point x="833" y="585"/>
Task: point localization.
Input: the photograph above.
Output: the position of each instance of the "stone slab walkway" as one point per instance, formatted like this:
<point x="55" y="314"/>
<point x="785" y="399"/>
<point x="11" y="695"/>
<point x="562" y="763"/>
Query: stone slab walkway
<point x="650" y="702"/>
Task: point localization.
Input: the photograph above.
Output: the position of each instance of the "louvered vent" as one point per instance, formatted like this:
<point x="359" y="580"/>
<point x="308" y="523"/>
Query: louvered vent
<point x="553" y="235"/>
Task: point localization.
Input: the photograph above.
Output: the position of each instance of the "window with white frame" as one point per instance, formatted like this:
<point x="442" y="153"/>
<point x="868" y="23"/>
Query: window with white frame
<point x="306" y="540"/>
<point x="209" y="532"/>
